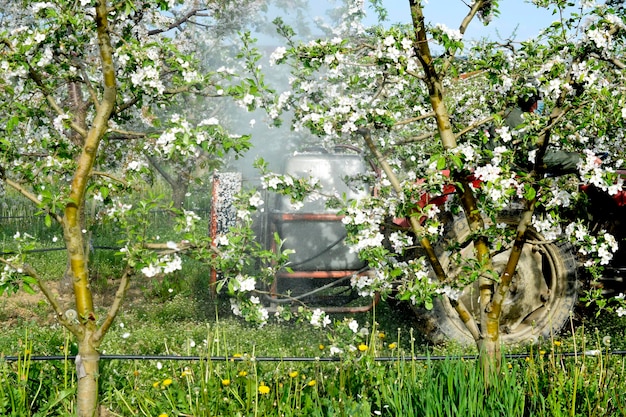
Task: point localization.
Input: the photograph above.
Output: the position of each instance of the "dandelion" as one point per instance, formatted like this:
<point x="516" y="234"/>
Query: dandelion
<point x="393" y="345"/>
<point x="225" y="382"/>
<point x="166" y="382"/>
<point x="321" y="347"/>
<point x="242" y="374"/>
<point x="606" y="340"/>
<point x="381" y="335"/>
<point x="162" y="415"/>
<point x="186" y="372"/>
<point x="264" y="389"/>
<point x="312" y="383"/>
<point x="362" y="347"/>
<point x="156" y="384"/>
<point x="293" y="374"/>
<point x="557" y="343"/>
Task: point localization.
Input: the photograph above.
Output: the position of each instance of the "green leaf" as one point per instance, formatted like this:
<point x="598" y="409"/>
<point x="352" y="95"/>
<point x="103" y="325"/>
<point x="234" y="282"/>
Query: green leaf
<point x="12" y="124"/>
<point x="530" y="193"/>
<point x="104" y="192"/>
<point x="441" y="162"/>
<point x="48" y="220"/>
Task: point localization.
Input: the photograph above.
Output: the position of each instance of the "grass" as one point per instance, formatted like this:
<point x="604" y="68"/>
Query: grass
<point x="543" y="384"/>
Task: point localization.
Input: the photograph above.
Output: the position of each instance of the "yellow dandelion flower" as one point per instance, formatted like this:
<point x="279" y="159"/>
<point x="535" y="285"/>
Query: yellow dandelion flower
<point x="542" y="352"/>
<point x="136" y="372"/>
<point x="236" y="355"/>
<point x="510" y="365"/>
<point x="321" y="346"/>
<point x="186" y="372"/>
<point x="225" y="382"/>
<point x="362" y="347"/>
<point x="393" y="345"/>
<point x="312" y="383"/>
<point x="167" y="382"/>
<point x="293" y="374"/>
<point x="162" y="415"/>
<point x="242" y="374"/>
<point x="264" y="389"/>
<point x="381" y="335"/>
<point x="156" y="384"/>
<point x="557" y="343"/>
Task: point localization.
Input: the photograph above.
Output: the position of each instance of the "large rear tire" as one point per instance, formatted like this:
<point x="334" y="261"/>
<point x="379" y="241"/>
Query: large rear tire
<point x="541" y="297"/>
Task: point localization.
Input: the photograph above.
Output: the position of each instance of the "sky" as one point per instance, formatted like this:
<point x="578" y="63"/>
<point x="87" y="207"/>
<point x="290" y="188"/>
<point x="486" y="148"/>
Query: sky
<point x="526" y="17"/>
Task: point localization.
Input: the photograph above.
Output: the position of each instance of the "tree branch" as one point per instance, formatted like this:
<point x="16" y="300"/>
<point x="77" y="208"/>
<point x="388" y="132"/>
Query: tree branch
<point x="73" y="327"/>
<point x="183" y="19"/>
<point x="111" y="176"/>
<point x="33" y="198"/>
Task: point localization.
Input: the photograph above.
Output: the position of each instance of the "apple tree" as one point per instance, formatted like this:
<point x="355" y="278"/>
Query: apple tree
<point x="493" y="261"/>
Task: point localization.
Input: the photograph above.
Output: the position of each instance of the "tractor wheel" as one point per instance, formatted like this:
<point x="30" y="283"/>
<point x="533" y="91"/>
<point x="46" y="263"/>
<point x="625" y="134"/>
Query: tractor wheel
<point x="541" y="297"/>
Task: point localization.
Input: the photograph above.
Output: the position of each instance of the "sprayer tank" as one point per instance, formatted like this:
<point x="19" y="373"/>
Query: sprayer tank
<point x="313" y="229"/>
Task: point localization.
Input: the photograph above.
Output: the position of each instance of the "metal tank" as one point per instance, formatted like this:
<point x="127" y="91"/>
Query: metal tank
<point x="322" y="260"/>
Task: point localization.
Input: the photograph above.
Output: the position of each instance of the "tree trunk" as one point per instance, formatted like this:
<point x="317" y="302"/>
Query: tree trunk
<point x="488" y="336"/>
<point x="87" y="374"/>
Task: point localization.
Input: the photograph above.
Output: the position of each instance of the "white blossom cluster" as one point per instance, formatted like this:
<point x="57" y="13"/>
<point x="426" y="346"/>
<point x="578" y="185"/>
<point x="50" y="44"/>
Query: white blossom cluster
<point x="602" y="246"/>
<point x="399" y="240"/>
<point x="592" y="173"/>
<point x="242" y="283"/>
<point x="190" y="218"/>
<point x="547" y="225"/>
<point x="251" y="309"/>
<point x="163" y="265"/>
<point x="182" y="140"/>
<point x="369" y="284"/>
<point x="117" y="209"/>
<point x="367" y="220"/>
<point x="450" y="292"/>
<point x="319" y="318"/>
<point x="453" y="34"/>
<point x="7" y="271"/>
<point x="597" y="33"/>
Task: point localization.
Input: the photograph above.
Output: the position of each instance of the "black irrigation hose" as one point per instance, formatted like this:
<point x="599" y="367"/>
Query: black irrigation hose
<point x="300" y="359"/>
